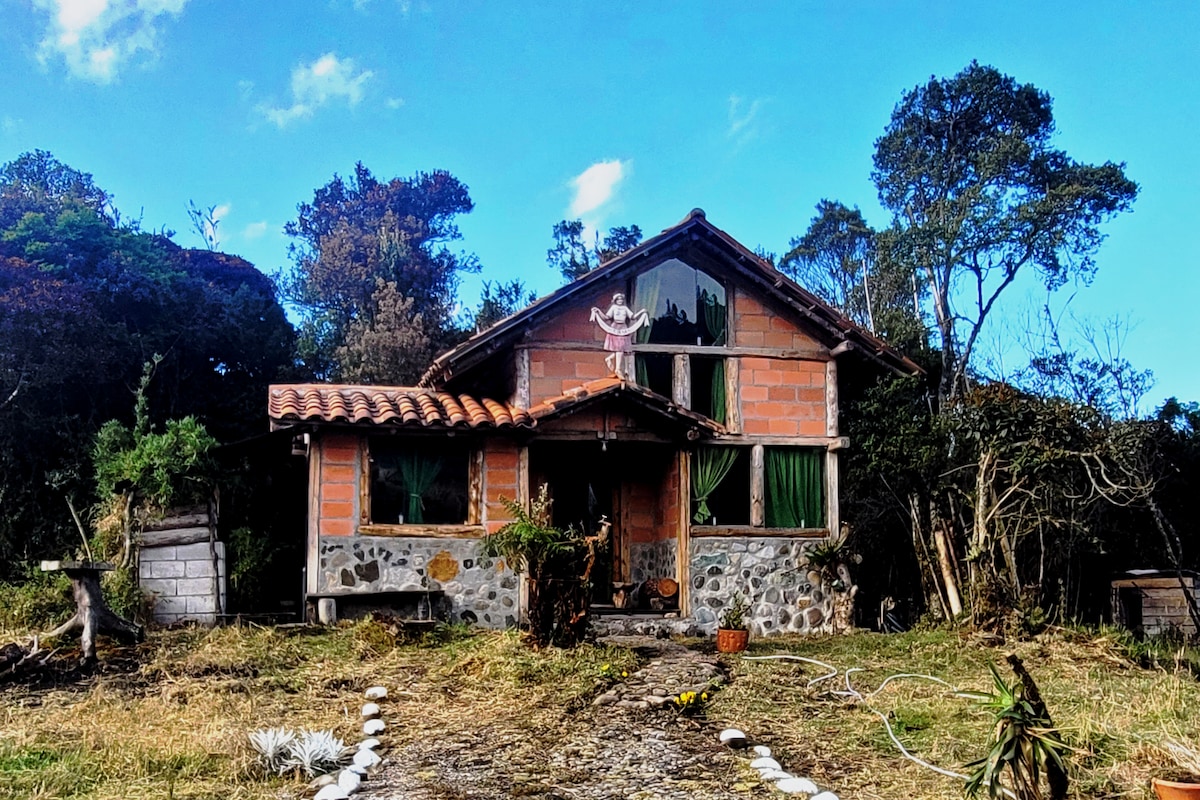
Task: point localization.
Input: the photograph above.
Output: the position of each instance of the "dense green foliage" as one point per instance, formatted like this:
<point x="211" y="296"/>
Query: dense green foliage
<point x="85" y="299"/>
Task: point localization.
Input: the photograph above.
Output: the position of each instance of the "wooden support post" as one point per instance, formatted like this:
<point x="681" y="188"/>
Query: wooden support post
<point x="475" y="488"/>
<point x="524" y="491"/>
<point x="521" y="389"/>
<point x="833" y="514"/>
<point x="681" y="382"/>
<point x="733" y="405"/>
<point x="683" y="537"/>
<point x="312" y="562"/>
<point x="757" y="486"/>
<point x="831" y="398"/>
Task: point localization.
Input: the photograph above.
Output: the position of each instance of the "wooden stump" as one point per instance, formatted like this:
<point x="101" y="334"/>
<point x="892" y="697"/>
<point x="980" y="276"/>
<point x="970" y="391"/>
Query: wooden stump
<point x="92" y="615"/>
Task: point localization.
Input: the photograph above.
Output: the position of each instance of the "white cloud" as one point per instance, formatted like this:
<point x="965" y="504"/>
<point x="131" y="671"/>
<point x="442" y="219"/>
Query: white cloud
<point x="743" y="118"/>
<point x="255" y="230"/>
<point x="596" y="185"/>
<point x="394" y="102"/>
<point x="95" y="38"/>
<point x="313" y="85"/>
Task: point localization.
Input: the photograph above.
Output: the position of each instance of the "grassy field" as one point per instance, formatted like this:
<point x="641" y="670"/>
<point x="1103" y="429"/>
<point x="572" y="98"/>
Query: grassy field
<point x="169" y="719"/>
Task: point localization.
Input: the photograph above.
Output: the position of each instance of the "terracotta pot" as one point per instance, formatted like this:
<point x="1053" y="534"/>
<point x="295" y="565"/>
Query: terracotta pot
<point x="732" y="640"/>
<point x="1174" y="790"/>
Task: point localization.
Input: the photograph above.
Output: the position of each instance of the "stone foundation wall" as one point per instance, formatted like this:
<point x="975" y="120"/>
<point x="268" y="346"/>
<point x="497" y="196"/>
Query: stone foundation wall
<point x="476" y="589"/>
<point x="784" y="595"/>
<point x="180" y="578"/>
<point x="652" y="560"/>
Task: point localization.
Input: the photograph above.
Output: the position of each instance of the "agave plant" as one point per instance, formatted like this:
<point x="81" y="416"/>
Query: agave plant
<point x="316" y="753"/>
<point x="272" y="746"/>
<point x="1023" y="745"/>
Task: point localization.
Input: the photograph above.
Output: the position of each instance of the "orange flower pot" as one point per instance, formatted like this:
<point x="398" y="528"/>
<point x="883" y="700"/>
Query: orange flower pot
<point x="732" y="640"/>
<point x="1176" y="790"/>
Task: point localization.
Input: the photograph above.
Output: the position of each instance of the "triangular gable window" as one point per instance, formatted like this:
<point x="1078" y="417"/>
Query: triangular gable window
<point x="686" y="306"/>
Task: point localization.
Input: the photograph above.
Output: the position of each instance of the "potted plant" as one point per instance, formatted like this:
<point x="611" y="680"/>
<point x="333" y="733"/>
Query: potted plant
<point x="732" y="634"/>
<point x="1184" y="783"/>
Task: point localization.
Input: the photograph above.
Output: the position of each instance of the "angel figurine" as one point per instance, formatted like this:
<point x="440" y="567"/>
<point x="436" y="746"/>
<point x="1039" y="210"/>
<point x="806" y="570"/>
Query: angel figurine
<point x="619" y="324"/>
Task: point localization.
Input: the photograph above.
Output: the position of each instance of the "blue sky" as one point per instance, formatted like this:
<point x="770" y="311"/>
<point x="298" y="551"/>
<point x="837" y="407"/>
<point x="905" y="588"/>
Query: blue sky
<point x="615" y="112"/>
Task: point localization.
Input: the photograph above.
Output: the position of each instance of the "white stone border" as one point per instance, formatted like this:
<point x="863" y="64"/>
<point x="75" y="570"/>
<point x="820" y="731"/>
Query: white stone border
<point x="770" y="771"/>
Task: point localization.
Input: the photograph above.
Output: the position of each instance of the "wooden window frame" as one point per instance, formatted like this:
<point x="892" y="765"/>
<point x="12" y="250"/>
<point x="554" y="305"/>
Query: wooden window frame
<point x="472" y="528"/>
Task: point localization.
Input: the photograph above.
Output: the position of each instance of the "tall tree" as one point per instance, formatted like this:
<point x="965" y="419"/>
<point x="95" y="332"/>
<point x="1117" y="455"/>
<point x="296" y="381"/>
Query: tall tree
<point x="574" y="257"/>
<point x="978" y="194"/>
<point x="359" y="232"/>
<point x="499" y="300"/>
<point x="840" y="259"/>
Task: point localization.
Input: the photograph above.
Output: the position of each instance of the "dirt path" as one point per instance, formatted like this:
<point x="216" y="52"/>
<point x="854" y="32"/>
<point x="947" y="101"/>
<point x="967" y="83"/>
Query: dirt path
<point x="626" y="747"/>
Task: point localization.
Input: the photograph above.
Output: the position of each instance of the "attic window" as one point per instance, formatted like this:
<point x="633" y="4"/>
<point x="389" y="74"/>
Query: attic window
<point x="687" y="306"/>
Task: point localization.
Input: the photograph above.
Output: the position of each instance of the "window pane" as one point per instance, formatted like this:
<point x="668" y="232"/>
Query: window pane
<point x="729" y="502"/>
<point x="686" y="306"/>
<point x="655" y="372"/>
<point x="795" y="487"/>
<point x="416" y="481"/>
<point x="708" y="387"/>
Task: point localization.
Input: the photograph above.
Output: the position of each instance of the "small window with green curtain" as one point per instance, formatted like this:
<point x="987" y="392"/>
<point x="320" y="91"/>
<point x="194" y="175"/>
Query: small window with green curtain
<point x="794" y="481"/>
<point x="721" y="486"/>
<point x="418" y="481"/>
<point x="708" y="387"/>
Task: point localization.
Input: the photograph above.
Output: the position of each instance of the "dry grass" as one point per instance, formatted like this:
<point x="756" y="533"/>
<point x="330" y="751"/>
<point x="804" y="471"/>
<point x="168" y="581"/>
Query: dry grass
<point x="1116" y="714"/>
<point x="172" y="722"/>
<point x="176" y="726"/>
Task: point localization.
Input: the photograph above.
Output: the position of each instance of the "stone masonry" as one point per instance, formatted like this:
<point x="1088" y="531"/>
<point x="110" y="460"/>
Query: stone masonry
<point x="475" y="588"/>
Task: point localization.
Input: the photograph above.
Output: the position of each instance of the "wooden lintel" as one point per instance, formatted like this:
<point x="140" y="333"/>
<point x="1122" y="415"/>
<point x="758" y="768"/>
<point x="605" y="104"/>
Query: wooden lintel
<point x="174" y="537"/>
<point x="828" y="442"/>
<point x="424" y="531"/>
<point x="750" y="530"/>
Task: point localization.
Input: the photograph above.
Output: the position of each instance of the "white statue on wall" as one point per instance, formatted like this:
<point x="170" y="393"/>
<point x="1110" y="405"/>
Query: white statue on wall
<point x="619" y="324"/>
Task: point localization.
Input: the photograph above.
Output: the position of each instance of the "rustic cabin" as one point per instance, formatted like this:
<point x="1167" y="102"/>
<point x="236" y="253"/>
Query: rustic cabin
<point x="684" y="393"/>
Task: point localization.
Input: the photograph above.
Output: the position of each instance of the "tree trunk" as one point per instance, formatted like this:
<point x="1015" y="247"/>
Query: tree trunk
<point x="92" y="615"/>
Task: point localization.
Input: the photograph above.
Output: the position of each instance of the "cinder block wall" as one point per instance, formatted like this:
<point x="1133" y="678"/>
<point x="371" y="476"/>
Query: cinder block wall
<point x="180" y="578"/>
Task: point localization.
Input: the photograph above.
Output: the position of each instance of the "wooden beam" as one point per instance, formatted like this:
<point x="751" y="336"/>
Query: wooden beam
<point x="828" y="442"/>
<point x="786" y="353"/>
<point x="191" y="520"/>
<point x="845" y="347"/>
<point x="733" y="400"/>
<point x="681" y="380"/>
<point x="728" y="531"/>
<point x="523" y="489"/>
<point x="475" y="488"/>
<point x="521" y="390"/>
<point x="174" y="537"/>
<point x="683" y="533"/>
<point x="312" y="559"/>
<point x="757" y="486"/>
<point x="424" y="531"/>
<point x="831" y="398"/>
<point x="364" y="480"/>
<point x="833" y="515"/>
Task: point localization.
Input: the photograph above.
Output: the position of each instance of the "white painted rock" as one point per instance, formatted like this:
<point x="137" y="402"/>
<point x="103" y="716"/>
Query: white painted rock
<point x="349" y="781"/>
<point x="376" y="693"/>
<point x="332" y="792"/>
<point x="369" y="744"/>
<point x="774" y="774"/>
<point x="824" y="796"/>
<point x="762" y="751"/>
<point x="357" y="770"/>
<point x="764" y="763"/>
<point x="371" y="710"/>
<point x="366" y="759"/>
<point x="320" y="782"/>
<point x="374" y="726"/>
<point x="733" y="737"/>
<point x="798" y="786"/>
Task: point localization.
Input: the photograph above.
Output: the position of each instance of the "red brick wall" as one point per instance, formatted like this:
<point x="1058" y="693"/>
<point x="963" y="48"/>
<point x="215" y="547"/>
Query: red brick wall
<point x="553" y="372"/>
<point x="337" y="484"/>
<point x="756" y="325"/>
<point x="782" y="397"/>
<point x="500" y="476"/>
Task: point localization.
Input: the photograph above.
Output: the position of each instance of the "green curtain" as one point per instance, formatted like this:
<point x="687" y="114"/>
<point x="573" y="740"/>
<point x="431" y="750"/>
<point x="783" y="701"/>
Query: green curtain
<point x="718" y="391"/>
<point x="418" y="471"/>
<point x="714" y="317"/>
<point x="647" y="288"/>
<point x="795" y="487"/>
<point x="709" y="468"/>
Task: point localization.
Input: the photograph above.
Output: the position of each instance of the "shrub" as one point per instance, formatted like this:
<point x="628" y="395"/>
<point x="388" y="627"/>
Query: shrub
<point x="41" y="601"/>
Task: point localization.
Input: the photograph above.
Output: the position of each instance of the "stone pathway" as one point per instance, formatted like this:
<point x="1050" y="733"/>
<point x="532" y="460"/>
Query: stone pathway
<point x="632" y="745"/>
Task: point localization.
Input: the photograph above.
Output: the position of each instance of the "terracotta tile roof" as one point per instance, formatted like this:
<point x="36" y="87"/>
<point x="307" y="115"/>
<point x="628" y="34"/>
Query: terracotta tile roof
<point x="389" y="405"/>
<point x="574" y="398"/>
